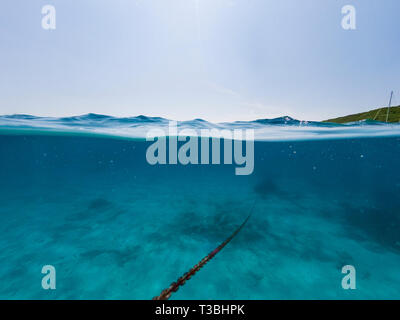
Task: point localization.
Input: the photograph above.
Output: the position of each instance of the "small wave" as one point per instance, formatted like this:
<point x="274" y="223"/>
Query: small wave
<point x="282" y="128"/>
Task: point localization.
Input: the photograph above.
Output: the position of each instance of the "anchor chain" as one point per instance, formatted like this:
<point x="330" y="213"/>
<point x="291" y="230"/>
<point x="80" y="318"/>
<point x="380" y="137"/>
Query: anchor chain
<point x="174" y="287"/>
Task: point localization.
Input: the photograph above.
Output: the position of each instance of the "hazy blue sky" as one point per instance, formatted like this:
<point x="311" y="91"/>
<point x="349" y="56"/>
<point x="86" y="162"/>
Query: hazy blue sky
<point x="212" y="59"/>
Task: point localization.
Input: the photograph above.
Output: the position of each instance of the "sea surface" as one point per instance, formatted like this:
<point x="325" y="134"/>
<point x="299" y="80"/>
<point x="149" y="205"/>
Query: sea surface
<point x="78" y="194"/>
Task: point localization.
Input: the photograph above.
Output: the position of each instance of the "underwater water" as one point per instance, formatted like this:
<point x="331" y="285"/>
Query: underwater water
<point x="115" y="227"/>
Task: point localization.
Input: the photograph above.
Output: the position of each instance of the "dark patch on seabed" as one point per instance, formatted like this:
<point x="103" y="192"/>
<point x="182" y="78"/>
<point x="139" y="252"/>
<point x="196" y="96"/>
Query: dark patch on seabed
<point x="121" y="256"/>
<point x="267" y="188"/>
<point x="99" y="204"/>
<point x="366" y="224"/>
<point x="211" y="226"/>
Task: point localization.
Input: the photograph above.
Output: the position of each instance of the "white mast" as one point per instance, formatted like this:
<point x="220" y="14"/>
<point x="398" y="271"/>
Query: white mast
<point x="390" y="102"/>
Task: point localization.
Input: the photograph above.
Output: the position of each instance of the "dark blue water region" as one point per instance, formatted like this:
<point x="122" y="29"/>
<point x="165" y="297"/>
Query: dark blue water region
<point x="115" y="227"/>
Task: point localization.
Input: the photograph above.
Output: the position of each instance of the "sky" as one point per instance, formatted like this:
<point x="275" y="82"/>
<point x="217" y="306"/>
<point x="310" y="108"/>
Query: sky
<point x="219" y="60"/>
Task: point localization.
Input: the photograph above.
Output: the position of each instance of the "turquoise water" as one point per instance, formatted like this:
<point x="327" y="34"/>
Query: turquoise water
<point x="86" y="201"/>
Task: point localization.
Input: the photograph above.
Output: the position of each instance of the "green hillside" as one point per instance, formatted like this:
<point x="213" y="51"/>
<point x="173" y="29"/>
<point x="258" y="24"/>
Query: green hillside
<point x="376" y="114"/>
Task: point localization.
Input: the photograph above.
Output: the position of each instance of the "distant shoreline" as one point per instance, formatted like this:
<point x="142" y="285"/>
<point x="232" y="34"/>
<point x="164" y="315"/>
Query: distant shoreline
<point x="376" y="114"/>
